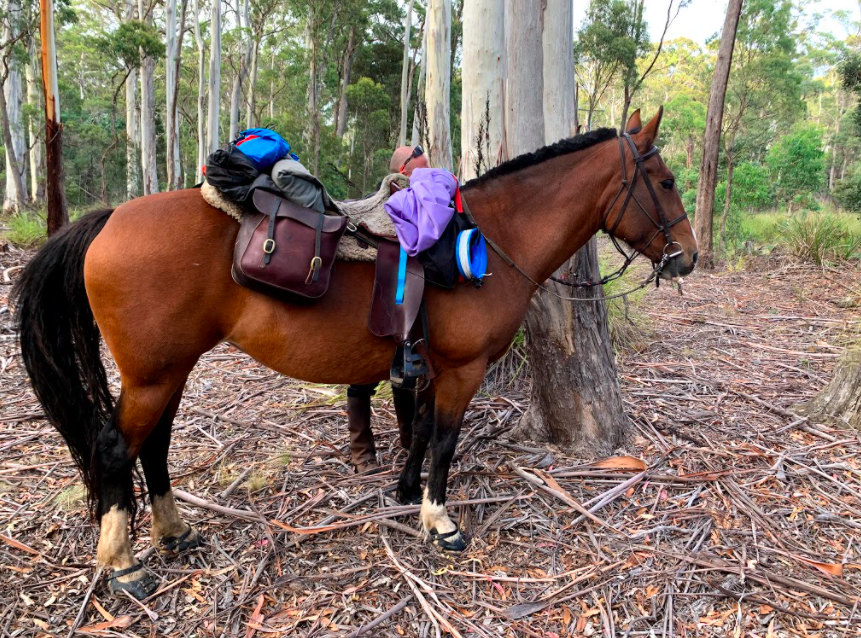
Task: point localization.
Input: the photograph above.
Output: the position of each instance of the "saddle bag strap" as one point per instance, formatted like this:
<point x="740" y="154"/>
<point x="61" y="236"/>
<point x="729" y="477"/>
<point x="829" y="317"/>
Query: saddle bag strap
<point x="269" y="244"/>
<point x="317" y="261"/>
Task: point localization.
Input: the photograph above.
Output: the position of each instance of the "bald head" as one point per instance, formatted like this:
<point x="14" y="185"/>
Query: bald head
<point x="401" y="157"/>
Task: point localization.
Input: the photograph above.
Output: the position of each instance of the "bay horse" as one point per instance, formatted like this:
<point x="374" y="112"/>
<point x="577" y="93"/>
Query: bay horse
<point x="153" y="279"/>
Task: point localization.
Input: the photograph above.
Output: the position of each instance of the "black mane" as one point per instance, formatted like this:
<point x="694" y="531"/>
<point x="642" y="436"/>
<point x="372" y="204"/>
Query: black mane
<point x="562" y="147"/>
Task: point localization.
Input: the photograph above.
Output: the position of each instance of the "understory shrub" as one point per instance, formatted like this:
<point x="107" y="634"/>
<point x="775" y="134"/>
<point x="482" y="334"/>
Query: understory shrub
<point x="819" y="238"/>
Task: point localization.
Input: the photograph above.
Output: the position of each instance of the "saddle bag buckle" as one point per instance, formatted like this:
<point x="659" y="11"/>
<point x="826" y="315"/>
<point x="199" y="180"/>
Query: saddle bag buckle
<point x="316" y="264"/>
<point x="269" y="246"/>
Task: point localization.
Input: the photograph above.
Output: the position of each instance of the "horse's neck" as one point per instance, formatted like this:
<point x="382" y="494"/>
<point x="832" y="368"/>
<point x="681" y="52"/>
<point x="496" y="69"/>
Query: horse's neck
<point x="542" y="215"/>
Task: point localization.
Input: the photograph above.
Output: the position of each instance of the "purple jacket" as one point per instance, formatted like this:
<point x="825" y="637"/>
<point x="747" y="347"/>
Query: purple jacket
<point x="422" y="211"/>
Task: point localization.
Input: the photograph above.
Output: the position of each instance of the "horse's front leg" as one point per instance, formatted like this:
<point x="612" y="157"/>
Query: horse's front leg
<point x="454" y="391"/>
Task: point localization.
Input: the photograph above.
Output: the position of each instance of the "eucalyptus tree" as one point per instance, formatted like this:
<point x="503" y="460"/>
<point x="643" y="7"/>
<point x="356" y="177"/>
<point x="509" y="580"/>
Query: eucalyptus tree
<point x="14" y="33"/>
<point x="483" y="73"/>
<point x="437" y="90"/>
<point x="704" y="219"/>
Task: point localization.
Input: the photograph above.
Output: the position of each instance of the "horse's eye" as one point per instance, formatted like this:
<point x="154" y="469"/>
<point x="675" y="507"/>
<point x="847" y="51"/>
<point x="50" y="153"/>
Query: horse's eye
<point x="668" y="184"/>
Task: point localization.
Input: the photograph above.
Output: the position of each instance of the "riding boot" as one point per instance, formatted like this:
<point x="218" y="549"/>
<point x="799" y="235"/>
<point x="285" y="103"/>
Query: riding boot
<point x="363" y="452"/>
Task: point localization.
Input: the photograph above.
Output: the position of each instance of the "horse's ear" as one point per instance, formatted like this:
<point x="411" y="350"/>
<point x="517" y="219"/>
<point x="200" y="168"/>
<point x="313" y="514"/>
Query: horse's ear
<point x="635" y="124"/>
<point x="649" y="133"/>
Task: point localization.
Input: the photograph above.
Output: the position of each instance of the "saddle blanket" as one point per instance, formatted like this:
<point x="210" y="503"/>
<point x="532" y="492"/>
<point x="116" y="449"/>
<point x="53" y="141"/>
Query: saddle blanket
<point x="368" y="213"/>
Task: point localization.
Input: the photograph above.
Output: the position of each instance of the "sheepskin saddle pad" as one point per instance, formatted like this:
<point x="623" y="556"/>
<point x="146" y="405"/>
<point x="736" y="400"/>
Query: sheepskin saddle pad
<point x="368" y="213"/>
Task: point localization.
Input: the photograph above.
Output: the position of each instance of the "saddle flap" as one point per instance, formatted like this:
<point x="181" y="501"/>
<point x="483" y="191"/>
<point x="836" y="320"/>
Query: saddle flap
<point x="386" y="318"/>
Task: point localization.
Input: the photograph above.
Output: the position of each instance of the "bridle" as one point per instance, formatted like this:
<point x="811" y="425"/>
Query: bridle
<point x="627" y="187"/>
<point x="662" y="225"/>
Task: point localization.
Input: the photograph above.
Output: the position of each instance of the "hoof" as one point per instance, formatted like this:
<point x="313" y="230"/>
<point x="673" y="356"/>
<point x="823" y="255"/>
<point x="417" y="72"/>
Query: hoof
<point x="178" y="544"/>
<point x="409" y="497"/>
<point x="453" y="541"/>
<point x="142" y="587"/>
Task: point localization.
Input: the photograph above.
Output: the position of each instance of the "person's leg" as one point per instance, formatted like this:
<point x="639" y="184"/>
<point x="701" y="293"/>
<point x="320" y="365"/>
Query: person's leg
<point x="363" y="452"/>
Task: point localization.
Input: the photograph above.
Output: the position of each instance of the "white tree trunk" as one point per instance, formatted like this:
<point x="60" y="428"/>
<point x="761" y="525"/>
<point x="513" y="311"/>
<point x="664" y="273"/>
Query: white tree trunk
<point x="524" y="83"/>
<point x="201" y="95"/>
<point x="214" y="77"/>
<point x="148" y="132"/>
<point x="134" y="172"/>
<point x="559" y="81"/>
<point x="37" y="170"/>
<point x="575" y="398"/>
<point x="483" y="78"/>
<point x="405" y="72"/>
<point x="171" y="122"/>
<point x="349" y="56"/>
<point x="236" y="94"/>
<point x="420" y="91"/>
<point x="15" y="195"/>
<point x="250" y="102"/>
<point x="272" y="85"/>
<point x="438" y="90"/>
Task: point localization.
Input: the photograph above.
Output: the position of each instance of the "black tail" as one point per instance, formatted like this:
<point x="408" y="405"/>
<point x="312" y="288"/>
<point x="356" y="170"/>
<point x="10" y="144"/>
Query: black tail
<point x="60" y="342"/>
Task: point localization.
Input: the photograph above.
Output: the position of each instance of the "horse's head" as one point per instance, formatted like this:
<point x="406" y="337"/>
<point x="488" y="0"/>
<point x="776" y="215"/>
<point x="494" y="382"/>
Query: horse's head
<point x="646" y="211"/>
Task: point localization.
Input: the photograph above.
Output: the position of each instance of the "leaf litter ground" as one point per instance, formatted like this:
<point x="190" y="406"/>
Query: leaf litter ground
<point x="727" y="514"/>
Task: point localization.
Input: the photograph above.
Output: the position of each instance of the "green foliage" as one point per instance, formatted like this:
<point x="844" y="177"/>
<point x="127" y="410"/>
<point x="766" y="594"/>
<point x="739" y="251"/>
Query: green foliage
<point x="847" y="191"/>
<point x="823" y="237"/>
<point x="751" y="187"/>
<point x="797" y="165"/>
<point x="26" y="229"/>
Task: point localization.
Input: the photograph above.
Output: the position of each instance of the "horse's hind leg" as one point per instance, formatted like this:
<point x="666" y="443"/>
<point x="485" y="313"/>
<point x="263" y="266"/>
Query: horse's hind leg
<point x="169" y="532"/>
<point x="120" y="441"/>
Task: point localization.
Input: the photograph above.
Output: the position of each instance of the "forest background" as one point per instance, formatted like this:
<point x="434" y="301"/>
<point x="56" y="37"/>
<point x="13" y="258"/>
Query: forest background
<point x="328" y="75"/>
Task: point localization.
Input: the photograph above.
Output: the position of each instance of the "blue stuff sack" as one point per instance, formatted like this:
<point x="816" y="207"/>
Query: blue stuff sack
<point x="263" y="147"/>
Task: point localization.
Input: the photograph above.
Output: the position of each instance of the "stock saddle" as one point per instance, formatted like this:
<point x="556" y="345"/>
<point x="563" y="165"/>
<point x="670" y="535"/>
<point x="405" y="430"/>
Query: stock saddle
<point x="290" y="252"/>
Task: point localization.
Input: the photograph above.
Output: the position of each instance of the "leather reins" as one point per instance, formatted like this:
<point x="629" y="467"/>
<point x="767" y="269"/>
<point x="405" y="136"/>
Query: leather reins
<point x="662" y="225"/>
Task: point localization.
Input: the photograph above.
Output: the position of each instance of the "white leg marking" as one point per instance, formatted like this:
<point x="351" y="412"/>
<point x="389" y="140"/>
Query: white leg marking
<point x="166" y="521"/>
<point x="434" y="517"/>
<point x="115" y="549"/>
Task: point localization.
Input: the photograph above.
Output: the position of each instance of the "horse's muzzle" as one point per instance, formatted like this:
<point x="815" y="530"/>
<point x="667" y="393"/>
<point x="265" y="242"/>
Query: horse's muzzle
<point x="680" y="266"/>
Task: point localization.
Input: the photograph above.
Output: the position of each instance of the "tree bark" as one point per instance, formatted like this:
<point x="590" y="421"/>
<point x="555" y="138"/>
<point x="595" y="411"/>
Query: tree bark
<point x="704" y="220"/>
<point x="438" y="90"/>
<point x="171" y="77"/>
<point x="37" y="184"/>
<point x="15" y="195"/>
<point x="134" y="172"/>
<point x="201" y="95"/>
<point x="524" y="84"/>
<point x="421" y="109"/>
<point x="405" y="72"/>
<point x="347" y="69"/>
<point x="250" y="102"/>
<point x="236" y="94"/>
<point x="55" y="177"/>
<point x="214" y="78"/>
<point x="575" y="397"/>
<point x="148" y="132"/>
<point x="482" y="125"/>
<point x="840" y="401"/>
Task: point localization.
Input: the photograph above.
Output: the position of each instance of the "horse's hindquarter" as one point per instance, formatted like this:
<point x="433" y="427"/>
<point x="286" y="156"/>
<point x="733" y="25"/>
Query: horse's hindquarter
<point x="158" y="278"/>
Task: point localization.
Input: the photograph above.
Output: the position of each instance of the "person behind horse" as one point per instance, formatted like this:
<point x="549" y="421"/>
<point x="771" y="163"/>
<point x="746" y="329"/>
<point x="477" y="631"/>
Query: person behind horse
<point x="363" y="451"/>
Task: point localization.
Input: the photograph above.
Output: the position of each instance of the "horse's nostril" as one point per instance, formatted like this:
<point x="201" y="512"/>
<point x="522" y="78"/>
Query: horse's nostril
<point x="695" y="258"/>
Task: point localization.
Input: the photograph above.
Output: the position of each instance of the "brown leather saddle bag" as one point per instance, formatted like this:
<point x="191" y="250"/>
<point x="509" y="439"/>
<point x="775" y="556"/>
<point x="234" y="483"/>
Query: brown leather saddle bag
<point x="286" y="249"/>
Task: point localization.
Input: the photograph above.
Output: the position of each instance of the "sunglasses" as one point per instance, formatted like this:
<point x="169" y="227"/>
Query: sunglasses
<point x="418" y="151"/>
